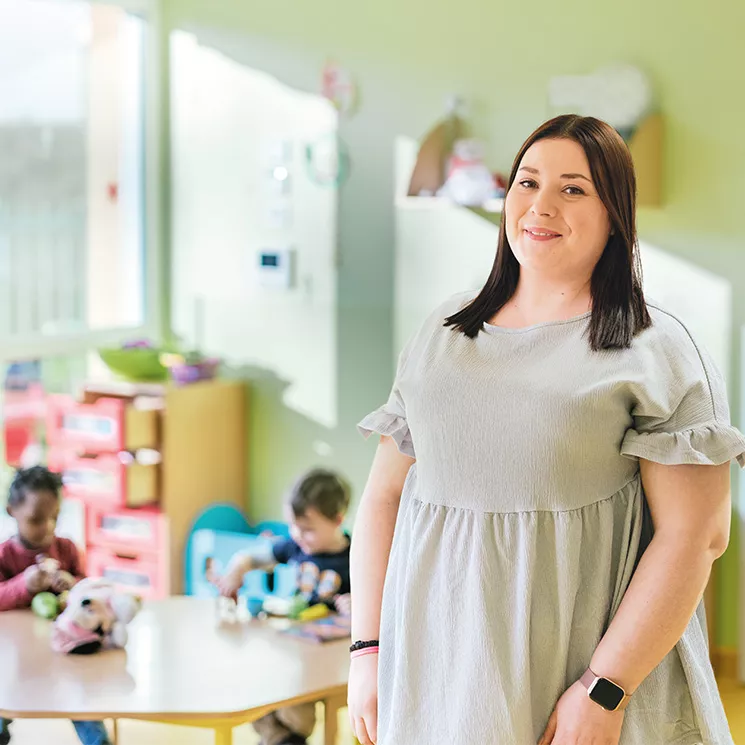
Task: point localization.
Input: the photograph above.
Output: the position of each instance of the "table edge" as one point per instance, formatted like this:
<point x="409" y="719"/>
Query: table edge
<point x="244" y="715"/>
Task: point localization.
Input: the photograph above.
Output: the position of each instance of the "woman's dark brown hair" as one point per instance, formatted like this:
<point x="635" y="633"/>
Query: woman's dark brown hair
<point x="619" y="310"/>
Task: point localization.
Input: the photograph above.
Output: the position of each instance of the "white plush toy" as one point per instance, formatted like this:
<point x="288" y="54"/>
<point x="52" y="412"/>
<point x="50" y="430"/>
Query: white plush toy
<point x="96" y="617"/>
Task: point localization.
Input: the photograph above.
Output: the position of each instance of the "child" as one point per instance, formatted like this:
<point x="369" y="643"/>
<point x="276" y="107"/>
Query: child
<point x="319" y="548"/>
<point x="34" y="502"/>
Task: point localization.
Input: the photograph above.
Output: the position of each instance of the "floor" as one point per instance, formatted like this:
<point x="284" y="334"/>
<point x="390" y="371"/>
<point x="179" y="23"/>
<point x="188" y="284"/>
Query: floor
<point x="141" y="733"/>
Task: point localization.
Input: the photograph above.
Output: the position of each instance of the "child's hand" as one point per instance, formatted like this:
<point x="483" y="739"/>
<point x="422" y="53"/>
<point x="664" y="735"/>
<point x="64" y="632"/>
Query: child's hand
<point x="230" y="583"/>
<point x="62" y="581"/>
<point x="36" y="579"/>
<point x="343" y="604"/>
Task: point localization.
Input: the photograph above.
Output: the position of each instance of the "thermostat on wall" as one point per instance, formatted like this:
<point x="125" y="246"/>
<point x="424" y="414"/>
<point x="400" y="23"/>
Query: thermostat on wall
<point x="275" y="268"/>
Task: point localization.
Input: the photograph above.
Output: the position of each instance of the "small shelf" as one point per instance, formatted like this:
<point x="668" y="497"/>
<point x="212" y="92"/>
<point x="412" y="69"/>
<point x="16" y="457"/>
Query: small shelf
<point x="490" y="210"/>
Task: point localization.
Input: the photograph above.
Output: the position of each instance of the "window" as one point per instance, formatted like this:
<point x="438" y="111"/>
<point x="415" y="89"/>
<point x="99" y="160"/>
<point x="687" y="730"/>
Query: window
<point x="78" y="210"/>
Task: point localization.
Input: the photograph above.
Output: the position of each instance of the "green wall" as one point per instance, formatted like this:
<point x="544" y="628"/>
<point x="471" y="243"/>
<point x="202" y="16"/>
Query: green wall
<point x="407" y="57"/>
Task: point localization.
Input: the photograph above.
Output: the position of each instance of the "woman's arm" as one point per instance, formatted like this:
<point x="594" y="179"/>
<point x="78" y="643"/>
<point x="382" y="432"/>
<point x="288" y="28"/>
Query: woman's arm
<point x="373" y="536"/>
<point x="371" y="547"/>
<point x="690" y="507"/>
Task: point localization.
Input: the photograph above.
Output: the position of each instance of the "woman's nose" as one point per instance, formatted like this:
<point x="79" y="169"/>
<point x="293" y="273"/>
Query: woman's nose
<point x="543" y="205"/>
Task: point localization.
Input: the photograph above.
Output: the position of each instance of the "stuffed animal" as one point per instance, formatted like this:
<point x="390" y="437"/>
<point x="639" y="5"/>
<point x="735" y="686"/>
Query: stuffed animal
<point x="95" y="618"/>
<point x="124" y="607"/>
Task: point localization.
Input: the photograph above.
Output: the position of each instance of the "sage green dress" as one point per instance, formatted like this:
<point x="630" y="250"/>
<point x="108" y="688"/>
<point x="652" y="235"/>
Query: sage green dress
<point x="522" y="520"/>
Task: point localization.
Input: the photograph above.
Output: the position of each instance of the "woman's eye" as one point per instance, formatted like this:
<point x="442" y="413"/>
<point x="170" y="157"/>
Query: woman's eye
<point x="574" y="191"/>
<point x="528" y="183"/>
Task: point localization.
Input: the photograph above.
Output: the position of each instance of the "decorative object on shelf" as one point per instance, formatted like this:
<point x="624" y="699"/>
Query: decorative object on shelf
<point x="191" y="367"/>
<point x="339" y="88"/>
<point x="429" y="171"/>
<point x="469" y="182"/>
<point x="646" y="145"/>
<point x="501" y="183"/>
<point x="621" y="95"/>
<point x="137" y="361"/>
<point x="327" y="161"/>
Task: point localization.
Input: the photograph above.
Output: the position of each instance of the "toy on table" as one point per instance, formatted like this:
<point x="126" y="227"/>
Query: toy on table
<point x="300" y="610"/>
<point x="95" y="618"/>
<point x="254" y="606"/>
<point x="226" y="608"/>
<point x="48" y="605"/>
<point x="294" y="606"/>
<point x="319" y="631"/>
<point x="47" y="565"/>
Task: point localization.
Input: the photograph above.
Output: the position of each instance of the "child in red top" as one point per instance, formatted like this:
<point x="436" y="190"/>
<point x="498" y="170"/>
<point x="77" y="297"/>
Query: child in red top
<point x="34" y="502"/>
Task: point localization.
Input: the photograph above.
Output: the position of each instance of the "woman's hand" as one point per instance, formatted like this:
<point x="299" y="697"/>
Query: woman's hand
<point x="577" y="720"/>
<point x="363" y="698"/>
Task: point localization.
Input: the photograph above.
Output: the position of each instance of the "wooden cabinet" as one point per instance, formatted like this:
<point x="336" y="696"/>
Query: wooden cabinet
<point x="204" y="457"/>
<point x="138" y="515"/>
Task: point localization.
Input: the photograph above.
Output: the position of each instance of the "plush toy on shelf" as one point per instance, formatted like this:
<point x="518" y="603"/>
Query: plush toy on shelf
<point x="96" y="617"/>
<point x="469" y="182"/>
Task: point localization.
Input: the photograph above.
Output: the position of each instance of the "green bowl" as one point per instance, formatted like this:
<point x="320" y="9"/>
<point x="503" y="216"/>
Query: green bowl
<point x="137" y="364"/>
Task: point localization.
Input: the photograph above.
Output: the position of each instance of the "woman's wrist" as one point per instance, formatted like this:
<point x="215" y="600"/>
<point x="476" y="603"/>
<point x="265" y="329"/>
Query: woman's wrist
<point x="363" y="647"/>
<point x="364" y="652"/>
<point x="363" y="644"/>
<point x="607" y="666"/>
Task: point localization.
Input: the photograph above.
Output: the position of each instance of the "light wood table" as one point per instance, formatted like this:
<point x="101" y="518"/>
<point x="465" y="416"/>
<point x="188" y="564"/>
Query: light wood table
<point x="181" y="666"/>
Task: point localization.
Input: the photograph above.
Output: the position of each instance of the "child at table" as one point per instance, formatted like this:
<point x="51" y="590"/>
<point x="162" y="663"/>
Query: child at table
<point x="34" y="502"/>
<point x="319" y="547"/>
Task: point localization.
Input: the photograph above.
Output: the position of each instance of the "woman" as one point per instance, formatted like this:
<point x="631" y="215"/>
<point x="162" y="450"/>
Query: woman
<point x="555" y="460"/>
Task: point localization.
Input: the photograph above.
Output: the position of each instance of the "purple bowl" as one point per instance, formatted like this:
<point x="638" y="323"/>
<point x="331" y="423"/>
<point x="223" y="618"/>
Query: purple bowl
<point x="184" y="374"/>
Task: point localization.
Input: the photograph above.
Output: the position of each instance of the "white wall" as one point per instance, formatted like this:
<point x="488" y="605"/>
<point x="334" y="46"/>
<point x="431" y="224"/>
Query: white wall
<point x="227" y="121"/>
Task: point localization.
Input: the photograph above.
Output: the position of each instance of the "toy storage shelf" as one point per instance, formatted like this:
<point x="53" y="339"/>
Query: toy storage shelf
<point x="138" y="517"/>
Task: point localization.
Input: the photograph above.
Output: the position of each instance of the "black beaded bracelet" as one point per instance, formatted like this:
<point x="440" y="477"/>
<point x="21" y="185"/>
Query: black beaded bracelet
<point x="363" y="645"/>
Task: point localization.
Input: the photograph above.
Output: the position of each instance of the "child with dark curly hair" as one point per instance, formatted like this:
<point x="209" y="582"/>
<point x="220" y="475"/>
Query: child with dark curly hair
<point x="34" y="503"/>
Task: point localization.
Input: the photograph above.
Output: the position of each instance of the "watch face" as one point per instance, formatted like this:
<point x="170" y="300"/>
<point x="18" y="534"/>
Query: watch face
<point x="607" y="694"/>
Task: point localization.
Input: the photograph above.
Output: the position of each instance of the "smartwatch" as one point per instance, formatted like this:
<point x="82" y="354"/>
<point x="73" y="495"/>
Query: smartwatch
<point x="604" y="692"/>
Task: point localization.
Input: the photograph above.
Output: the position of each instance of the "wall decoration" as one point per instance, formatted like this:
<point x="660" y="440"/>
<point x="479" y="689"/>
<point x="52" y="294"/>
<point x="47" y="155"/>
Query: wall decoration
<point x="339" y="88"/>
<point x="327" y="161"/>
<point x="620" y="95"/>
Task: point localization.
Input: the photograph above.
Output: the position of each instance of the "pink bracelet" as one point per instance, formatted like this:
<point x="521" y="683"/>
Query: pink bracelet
<point x="362" y="652"/>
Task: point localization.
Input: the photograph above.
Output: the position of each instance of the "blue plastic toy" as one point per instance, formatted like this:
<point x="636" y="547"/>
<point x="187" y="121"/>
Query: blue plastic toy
<point x="218" y="534"/>
<point x="225" y="517"/>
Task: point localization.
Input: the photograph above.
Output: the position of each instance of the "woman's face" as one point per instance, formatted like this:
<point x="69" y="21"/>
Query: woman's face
<point x="555" y="221"/>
